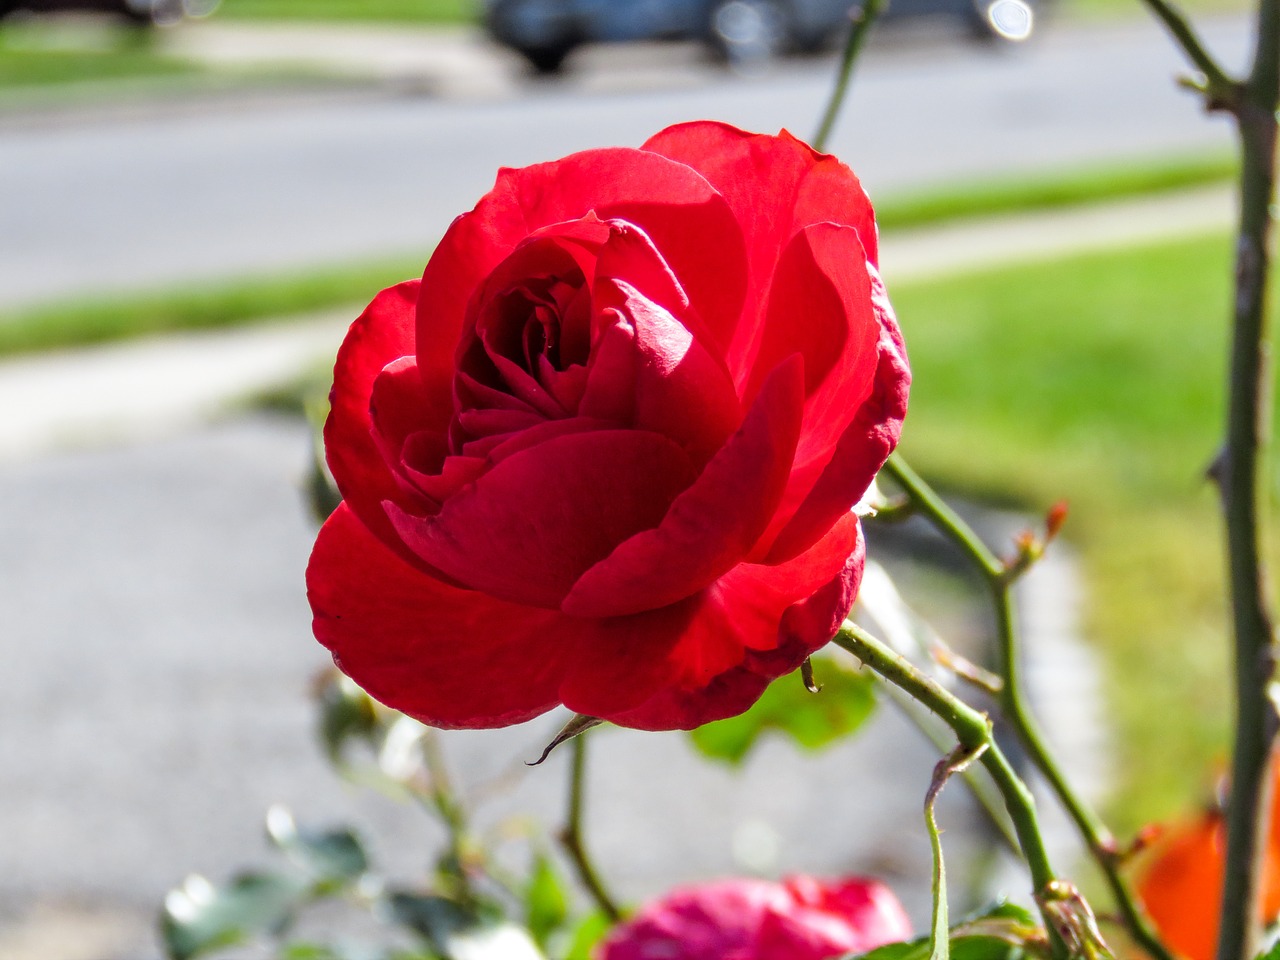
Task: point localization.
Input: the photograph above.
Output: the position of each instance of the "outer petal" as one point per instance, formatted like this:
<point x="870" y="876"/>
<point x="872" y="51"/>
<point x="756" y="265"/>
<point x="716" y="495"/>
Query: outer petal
<point x="675" y="206"/>
<point x="527" y="529"/>
<point x="776" y="616"/>
<point x="381" y="335"/>
<point x="449" y="657"/>
<point x="821" y="305"/>
<point x="803" y="187"/>
<point x="865" y="444"/>
<point x="712" y="525"/>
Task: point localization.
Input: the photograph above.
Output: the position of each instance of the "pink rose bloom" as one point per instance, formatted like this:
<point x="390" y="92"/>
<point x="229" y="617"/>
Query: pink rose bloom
<point x="801" y="918"/>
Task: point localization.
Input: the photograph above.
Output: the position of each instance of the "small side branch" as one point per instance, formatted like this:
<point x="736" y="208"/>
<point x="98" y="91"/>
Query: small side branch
<point x="1219" y="87"/>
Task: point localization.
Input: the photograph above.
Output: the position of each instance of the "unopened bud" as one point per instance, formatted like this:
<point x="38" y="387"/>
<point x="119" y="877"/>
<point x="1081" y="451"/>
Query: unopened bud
<point x="1055" y="518"/>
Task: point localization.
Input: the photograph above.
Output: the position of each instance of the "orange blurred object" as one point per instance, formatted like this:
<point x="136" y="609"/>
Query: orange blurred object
<point x="1181" y="881"/>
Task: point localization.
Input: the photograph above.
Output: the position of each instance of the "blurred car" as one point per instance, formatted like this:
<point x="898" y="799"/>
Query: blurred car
<point x="135" y="11"/>
<point x="545" y="32"/>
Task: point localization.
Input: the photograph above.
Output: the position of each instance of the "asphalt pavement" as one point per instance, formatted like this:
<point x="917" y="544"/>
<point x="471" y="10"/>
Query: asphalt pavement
<point x="108" y="198"/>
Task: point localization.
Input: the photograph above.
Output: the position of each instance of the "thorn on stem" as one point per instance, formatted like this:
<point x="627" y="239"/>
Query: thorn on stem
<point x="1216" y="472"/>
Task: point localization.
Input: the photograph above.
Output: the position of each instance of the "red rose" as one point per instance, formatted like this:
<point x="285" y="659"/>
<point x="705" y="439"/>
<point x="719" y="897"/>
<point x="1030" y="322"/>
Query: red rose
<point x="604" y="453"/>
<point x="801" y="918"/>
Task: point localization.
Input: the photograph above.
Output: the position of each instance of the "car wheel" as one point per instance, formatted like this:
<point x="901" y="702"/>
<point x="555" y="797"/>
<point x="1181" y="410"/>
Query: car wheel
<point x="746" y="32"/>
<point x="547" y="60"/>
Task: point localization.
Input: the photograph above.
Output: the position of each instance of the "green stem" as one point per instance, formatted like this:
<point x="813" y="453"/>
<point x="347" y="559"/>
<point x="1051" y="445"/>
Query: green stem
<point x="1013" y="703"/>
<point x="445" y="801"/>
<point x="1243" y="480"/>
<point x="571" y="836"/>
<point x="1217" y="84"/>
<point x="1095" y="833"/>
<point x="863" y="19"/>
<point x="945" y="520"/>
<point x="973" y="730"/>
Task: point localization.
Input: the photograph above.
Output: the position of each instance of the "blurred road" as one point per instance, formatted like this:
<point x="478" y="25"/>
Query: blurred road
<point x="172" y="193"/>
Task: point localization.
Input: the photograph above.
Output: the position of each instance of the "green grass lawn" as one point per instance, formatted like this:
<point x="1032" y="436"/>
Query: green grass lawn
<point x="1112" y="9"/>
<point x="1051" y="190"/>
<point x="405" y="11"/>
<point x="88" y="321"/>
<point x="1099" y="379"/>
<point x="33" y="55"/>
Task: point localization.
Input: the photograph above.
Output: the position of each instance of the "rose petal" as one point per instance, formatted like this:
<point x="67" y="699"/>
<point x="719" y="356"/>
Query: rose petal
<point x="778" y="615"/>
<point x="679" y="388"/>
<point x="754" y="624"/>
<point x="449" y="657"/>
<point x="440" y="483"/>
<point x="821" y="305"/>
<point x="804" y="187"/>
<point x="528" y="528"/>
<point x="625" y="661"/>
<point x="610" y="390"/>
<point x="678" y="210"/>
<point x="712" y="525"/>
<point x="863" y="447"/>
<point x="395" y="408"/>
<point x="382" y="334"/>
<point x="629" y="257"/>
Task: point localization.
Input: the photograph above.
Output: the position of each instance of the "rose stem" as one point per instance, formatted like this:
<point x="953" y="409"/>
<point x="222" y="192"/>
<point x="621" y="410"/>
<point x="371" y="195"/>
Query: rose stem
<point x="1013" y="705"/>
<point x="571" y="835"/>
<point x="973" y="730"/>
<point x="1241" y="471"/>
<point x="863" y="18"/>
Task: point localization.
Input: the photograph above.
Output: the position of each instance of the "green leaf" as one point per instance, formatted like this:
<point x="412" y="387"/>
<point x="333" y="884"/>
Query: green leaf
<point x="346" y="951"/>
<point x="813" y="720"/>
<point x="940" y="932"/>
<point x="346" y="713"/>
<point x="590" y="931"/>
<point x="1001" y="932"/>
<point x="1271" y="944"/>
<point x="546" y="902"/>
<point x="331" y="857"/>
<point x="457" y="933"/>
<point x="579" y="724"/>
<point x="198" y="917"/>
